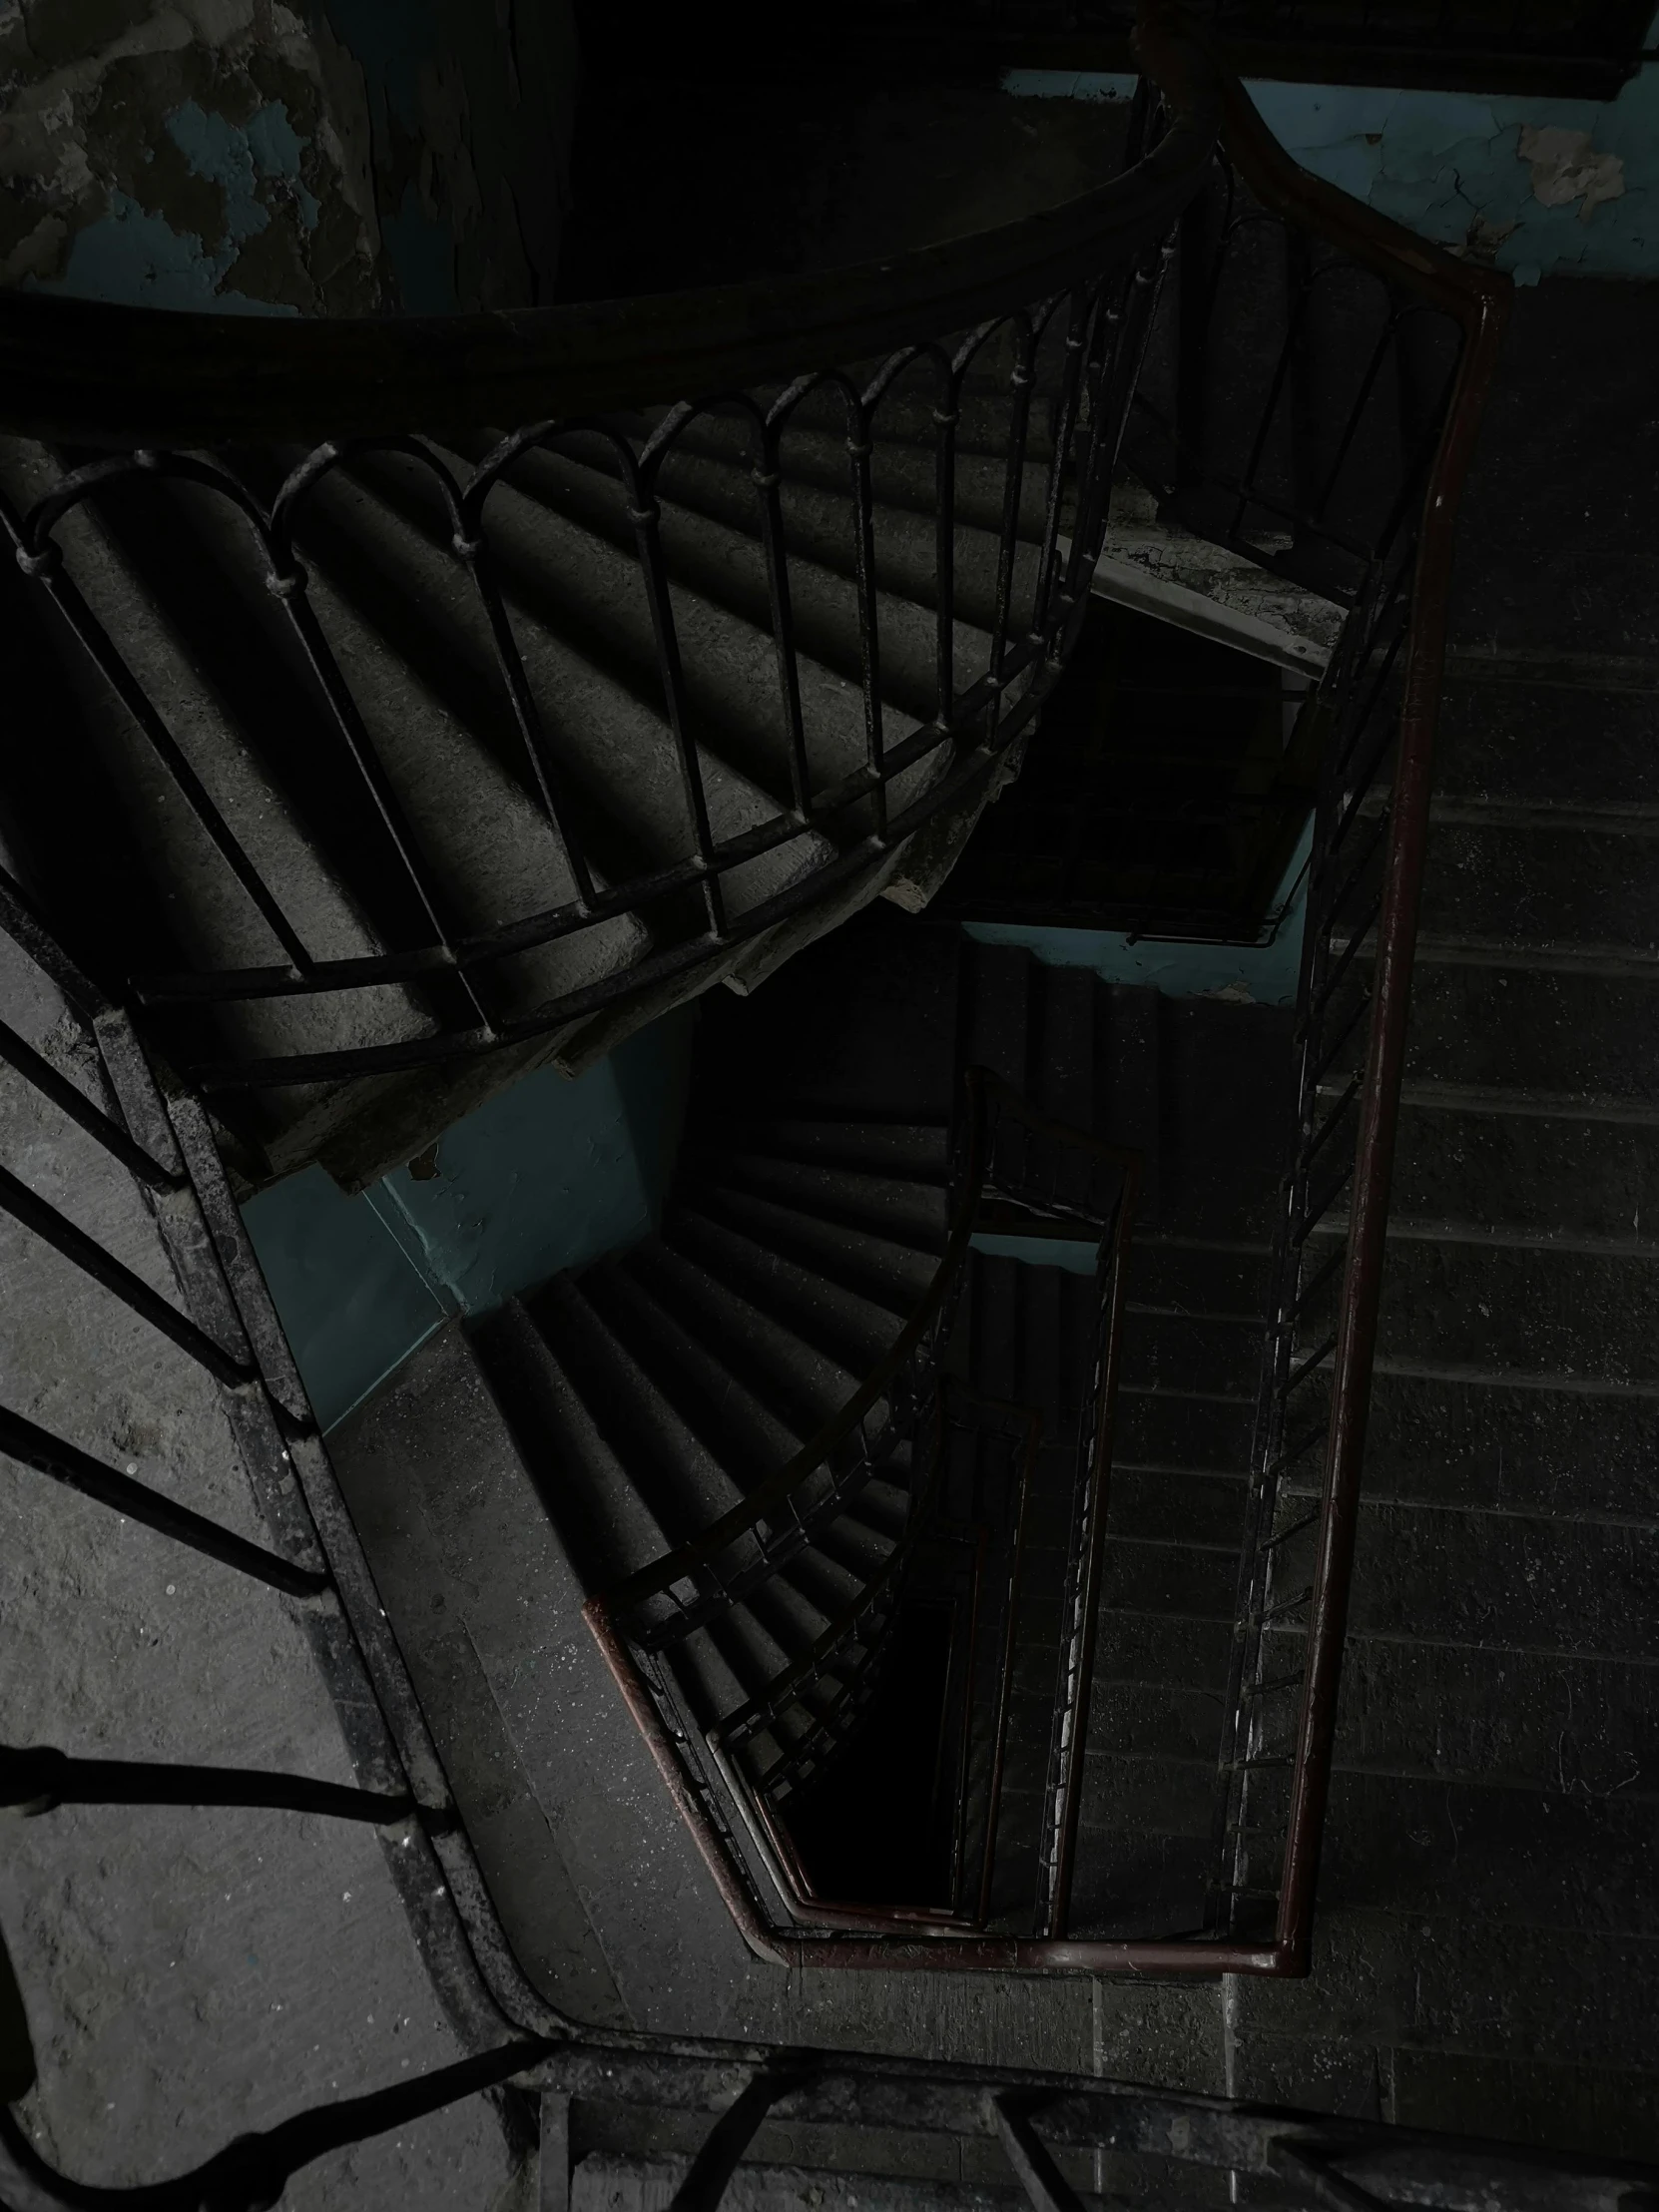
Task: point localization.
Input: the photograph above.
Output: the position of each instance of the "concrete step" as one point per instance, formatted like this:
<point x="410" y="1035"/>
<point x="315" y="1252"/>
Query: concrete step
<point x="1571" y="1722"/>
<point x="1001" y="987"/>
<point x="1176" y="1351"/>
<point x="1455" y="1299"/>
<point x="1515" y="1858"/>
<point x="882" y="1270"/>
<point x="1065" y="1047"/>
<point x="1524" y="875"/>
<point x="1227" y="1086"/>
<point x="1184" y="1430"/>
<point x="1188" y="1276"/>
<point x="794" y="1384"/>
<point x="1508" y="1160"/>
<point x="914" y="1151"/>
<point x="892" y="1208"/>
<point x="672" y="1468"/>
<point x="1570" y="1997"/>
<point x="1505" y="1444"/>
<point x="1130" y="1884"/>
<point x="721" y="1415"/>
<point x="1149" y="1503"/>
<point x="1170" y="1578"/>
<point x="605" y="1525"/>
<point x="748" y="1440"/>
<point x="1546" y="743"/>
<point x="1581" y="1030"/>
<point x="839" y="1325"/>
<point x="1498" y="1581"/>
<point x="683" y="1483"/>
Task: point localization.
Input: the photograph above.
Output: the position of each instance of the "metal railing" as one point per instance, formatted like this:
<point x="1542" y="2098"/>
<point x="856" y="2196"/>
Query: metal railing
<point x="993" y="373"/>
<point x="832" y="1686"/>
<point x="1020" y="1165"/>
<point x="222" y="1320"/>
<point x="157" y="1131"/>
<point x="1381" y="696"/>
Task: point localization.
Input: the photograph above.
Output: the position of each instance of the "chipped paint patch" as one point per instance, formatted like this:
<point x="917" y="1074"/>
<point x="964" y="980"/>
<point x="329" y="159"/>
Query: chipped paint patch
<point x="1566" y="168"/>
<point x="1523" y="185"/>
<point x="139" y="261"/>
<point x="369" y="155"/>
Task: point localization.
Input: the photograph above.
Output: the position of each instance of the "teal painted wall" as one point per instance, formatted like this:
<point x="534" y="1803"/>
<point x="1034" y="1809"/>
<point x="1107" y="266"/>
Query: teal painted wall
<point x="1257" y="975"/>
<point x="549" y="1175"/>
<point x="1529" y="186"/>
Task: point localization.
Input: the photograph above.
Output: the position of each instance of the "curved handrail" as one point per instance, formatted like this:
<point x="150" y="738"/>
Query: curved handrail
<point x="78" y="369"/>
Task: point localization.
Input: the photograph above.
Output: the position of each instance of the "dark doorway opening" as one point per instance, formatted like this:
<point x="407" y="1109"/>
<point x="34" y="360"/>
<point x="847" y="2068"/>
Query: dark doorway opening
<point x="1164" y="793"/>
<point x="875" y="1828"/>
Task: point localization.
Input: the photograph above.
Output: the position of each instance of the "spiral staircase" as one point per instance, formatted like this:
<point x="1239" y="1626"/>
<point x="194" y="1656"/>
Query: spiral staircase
<point x="384" y="751"/>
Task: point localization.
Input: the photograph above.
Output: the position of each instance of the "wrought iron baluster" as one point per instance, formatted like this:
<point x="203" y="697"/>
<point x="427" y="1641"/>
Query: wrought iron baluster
<point x="473" y="544"/>
<point x="646" y="518"/>
<point x="946" y="421"/>
<point x="45" y="564"/>
<point x="1019" y="422"/>
<point x="858" y="448"/>
<point x="769" y="478"/>
<point x="287" y="584"/>
<point x="1084" y="303"/>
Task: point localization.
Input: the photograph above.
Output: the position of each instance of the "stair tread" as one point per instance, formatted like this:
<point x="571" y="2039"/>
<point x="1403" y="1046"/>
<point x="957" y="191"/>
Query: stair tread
<point x="894" y="1208"/>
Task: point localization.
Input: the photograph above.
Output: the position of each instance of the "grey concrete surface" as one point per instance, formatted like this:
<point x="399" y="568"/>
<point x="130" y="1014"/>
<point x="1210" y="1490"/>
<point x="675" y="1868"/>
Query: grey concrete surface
<point x="187" y="1974"/>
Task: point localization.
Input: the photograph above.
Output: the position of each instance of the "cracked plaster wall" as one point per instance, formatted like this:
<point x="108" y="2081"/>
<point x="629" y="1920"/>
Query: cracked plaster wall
<point x="344" y="157"/>
<point x="1529" y="186"/>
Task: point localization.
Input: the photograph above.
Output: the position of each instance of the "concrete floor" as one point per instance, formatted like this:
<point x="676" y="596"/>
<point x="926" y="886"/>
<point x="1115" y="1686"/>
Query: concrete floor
<point x="187" y="1974"/>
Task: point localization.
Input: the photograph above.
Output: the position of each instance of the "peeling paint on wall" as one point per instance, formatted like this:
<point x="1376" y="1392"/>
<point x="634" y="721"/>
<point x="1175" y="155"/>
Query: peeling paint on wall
<point x="1529" y="186"/>
<point x="358" y="157"/>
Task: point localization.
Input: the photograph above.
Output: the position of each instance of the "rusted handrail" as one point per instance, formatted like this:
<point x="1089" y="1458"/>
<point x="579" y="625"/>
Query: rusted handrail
<point x="1478" y="300"/>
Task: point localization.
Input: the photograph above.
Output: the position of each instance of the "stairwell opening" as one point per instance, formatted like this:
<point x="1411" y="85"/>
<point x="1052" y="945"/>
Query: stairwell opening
<point x="875" y="1827"/>
<point x="1166" y="790"/>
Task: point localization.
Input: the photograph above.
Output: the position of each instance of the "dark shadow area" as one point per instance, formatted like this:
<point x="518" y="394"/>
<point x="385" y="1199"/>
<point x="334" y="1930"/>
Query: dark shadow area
<point x="1163" y="794"/>
<point x="754" y="179"/>
<point x="874" y="1827"/>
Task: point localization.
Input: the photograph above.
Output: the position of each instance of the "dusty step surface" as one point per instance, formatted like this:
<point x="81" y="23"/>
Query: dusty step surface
<point x="189" y="1973"/>
<point x="613" y="1905"/>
